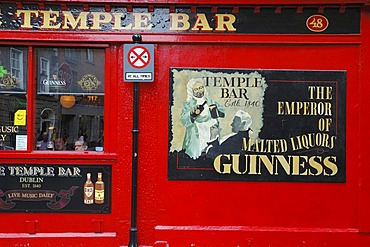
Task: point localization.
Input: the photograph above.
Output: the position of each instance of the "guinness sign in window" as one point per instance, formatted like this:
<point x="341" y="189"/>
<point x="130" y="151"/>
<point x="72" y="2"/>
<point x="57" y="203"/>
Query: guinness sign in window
<point x="70" y="99"/>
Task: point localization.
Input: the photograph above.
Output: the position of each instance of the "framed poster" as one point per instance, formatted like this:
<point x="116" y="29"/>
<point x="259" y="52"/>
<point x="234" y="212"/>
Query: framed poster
<point x="257" y="125"/>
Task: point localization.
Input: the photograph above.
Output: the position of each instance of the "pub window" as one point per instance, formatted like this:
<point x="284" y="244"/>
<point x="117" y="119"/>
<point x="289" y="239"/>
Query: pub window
<point x="44" y="70"/>
<point x="73" y="55"/>
<point x="17" y="63"/>
<point x="90" y="55"/>
<point x="70" y="99"/>
<point x="13" y="99"/>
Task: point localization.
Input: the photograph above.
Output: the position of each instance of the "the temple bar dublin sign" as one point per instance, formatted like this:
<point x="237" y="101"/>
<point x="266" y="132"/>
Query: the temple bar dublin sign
<point x="55" y="188"/>
<point x="54" y="17"/>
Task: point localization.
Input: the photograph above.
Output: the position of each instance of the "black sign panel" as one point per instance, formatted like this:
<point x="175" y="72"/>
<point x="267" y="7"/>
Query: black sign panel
<point x="257" y="125"/>
<point x="55" y="188"/>
<point x="233" y="19"/>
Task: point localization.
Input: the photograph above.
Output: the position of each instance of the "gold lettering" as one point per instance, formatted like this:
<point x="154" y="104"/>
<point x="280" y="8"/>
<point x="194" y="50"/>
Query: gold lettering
<point x="141" y="21"/>
<point x="236" y="165"/>
<point x="201" y="23"/>
<point x="332" y="142"/>
<point x="179" y="22"/>
<point x="265" y="146"/>
<point x="27" y="17"/>
<point x="268" y="164"/>
<point x="331" y="165"/>
<point x="291" y="165"/>
<point x="313" y="109"/>
<point x="304" y="108"/>
<point x="320" y="92"/>
<point x="296" y="165"/>
<point x="316" y="165"/>
<point x="117" y="22"/>
<point x="253" y="164"/>
<point x="217" y="164"/>
<point x="311" y="90"/>
<point x="284" y="163"/>
<point x="329" y="91"/>
<point x="225" y="22"/>
<point x="100" y="18"/>
<point x="50" y="19"/>
<point x="280" y="108"/>
<point x="305" y="172"/>
<point x="71" y="22"/>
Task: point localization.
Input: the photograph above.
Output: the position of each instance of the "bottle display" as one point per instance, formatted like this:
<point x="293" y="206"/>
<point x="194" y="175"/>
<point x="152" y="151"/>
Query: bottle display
<point x="88" y="190"/>
<point x="99" y="190"/>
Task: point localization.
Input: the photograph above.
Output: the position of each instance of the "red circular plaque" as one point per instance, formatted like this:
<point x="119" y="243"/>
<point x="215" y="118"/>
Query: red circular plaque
<point x="317" y="23"/>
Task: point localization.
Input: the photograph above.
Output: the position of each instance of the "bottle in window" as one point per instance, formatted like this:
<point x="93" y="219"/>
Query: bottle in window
<point x="88" y="190"/>
<point x="99" y="190"/>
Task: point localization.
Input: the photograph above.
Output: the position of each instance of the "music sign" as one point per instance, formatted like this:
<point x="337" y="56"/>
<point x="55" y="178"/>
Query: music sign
<point x="138" y="63"/>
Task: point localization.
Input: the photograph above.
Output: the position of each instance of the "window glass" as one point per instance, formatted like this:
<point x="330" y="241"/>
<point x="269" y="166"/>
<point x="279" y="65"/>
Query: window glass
<point x="13" y="98"/>
<point x="70" y="99"/>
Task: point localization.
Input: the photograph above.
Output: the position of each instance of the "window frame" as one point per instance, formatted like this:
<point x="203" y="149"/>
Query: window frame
<point x="31" y="85"/>
<point x="43" y="61"/>
<point x="19" y="61"/>
<point x="90" y="56"/>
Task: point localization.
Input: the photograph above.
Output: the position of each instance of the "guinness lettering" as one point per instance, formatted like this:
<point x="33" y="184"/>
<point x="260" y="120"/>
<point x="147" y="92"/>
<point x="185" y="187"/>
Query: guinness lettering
<point x="55" y="83"/>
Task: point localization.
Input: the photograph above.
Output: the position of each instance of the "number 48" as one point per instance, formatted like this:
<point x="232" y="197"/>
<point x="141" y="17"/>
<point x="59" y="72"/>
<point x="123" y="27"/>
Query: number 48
<point x="317" y="23"/>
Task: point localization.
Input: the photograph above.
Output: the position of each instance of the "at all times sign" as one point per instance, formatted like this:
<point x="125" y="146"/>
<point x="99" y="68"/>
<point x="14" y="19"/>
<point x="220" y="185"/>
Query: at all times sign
<point x="138" y="63"/>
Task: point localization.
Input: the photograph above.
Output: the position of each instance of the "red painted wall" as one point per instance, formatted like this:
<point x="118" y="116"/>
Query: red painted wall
<point x="198" y="211"/>
<point x="212" y="213"/>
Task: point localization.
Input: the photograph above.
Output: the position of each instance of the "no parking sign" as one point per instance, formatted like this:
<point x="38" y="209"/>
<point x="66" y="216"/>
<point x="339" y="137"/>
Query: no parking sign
<point x="138" y="62"/>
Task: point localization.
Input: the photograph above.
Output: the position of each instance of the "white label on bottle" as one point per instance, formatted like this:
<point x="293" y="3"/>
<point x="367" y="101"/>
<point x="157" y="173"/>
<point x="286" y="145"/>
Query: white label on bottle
<point x="89" y="191"/>
<point x="86" y="201"/>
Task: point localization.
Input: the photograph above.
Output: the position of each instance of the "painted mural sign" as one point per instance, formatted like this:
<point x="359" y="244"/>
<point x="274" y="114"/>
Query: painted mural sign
<point x="257" y="125"/>
<point x="55" y="188"/>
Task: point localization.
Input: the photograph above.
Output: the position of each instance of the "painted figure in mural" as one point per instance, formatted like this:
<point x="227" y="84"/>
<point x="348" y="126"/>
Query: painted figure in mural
<point x="233" y="143"/>
<point x="197" y="112"/>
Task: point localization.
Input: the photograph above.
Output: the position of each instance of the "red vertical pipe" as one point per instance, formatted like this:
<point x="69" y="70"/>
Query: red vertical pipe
<point x="31" y="100"/>
<point x="364" y="108"/>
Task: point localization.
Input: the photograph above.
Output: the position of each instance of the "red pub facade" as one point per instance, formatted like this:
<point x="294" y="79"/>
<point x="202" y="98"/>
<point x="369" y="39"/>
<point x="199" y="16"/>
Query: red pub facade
<point x="184" y="123"/>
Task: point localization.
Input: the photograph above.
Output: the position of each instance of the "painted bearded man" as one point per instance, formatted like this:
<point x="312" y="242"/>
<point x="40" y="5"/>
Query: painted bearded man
<point x="197" y="113"/>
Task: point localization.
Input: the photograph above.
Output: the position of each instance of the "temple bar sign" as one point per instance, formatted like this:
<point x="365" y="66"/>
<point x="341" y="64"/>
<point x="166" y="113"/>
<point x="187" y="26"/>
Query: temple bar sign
<point x="224" y="20"/>
<point x="55" y="188"/>
<point x="257" y="125"/>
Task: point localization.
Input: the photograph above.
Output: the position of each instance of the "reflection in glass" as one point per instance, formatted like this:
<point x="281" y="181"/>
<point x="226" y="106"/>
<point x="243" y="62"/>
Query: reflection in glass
<point x="13" y="100"/>
<point x="70" y="98"/>
<point x="13" y="127"/>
